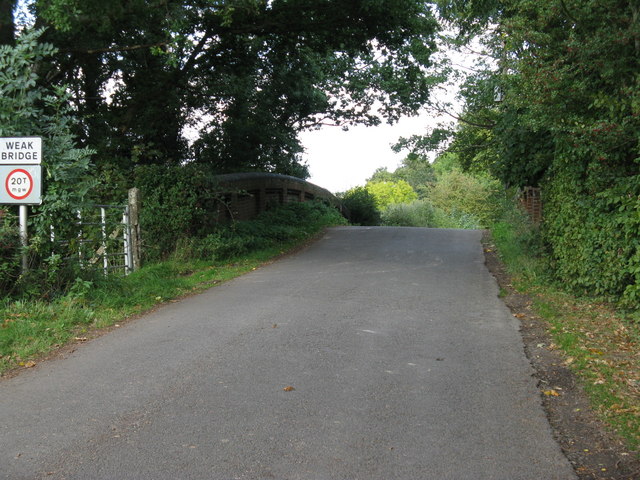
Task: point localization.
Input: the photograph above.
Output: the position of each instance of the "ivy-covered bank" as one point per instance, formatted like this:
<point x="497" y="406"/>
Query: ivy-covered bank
<point x="592" y="226"/>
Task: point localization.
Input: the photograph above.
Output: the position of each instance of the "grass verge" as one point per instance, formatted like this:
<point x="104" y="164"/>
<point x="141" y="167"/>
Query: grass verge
<point x="599" y="344"/>
<point x="31" y="329"/>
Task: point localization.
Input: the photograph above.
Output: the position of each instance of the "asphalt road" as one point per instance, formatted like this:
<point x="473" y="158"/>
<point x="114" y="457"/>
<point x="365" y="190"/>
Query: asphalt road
<point x="404" y="365"/>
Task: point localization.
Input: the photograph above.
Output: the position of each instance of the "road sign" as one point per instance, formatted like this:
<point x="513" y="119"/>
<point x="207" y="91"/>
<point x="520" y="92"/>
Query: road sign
<point x="20" y="151"/>
<point x="21" y="185"/>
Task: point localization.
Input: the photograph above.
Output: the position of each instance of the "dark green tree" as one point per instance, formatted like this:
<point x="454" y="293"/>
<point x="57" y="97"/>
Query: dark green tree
<point x="562" y="102"/>
<point x="243" y="76"/>
<point x="7" y="23"/>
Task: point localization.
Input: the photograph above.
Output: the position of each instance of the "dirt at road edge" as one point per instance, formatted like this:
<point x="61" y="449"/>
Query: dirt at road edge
<point x="594" y="452"/>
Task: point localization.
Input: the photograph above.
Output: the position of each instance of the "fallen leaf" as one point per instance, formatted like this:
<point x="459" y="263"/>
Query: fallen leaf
<point x="30" y="364"/>
<point x="551" y="393"/>
<point x="289" y="389"/>
<point x="519" y="315"/>
<point x="81" y="339"/>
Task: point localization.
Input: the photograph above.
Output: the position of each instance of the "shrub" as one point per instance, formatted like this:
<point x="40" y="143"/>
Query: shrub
<point x="422" y="213"/>
<point x="362" y="206"/>
<point x="470" y="198"/>
<point x="278" y="226"/>
<point x="27" y="108"/>
<point x="178" y="202"/>
<point x="10" y="258"/>
<point x="594" y="238"/>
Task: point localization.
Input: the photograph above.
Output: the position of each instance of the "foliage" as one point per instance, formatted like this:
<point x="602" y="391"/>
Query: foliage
<point x="9" y="251"/>
<point x="361" y="205"/>
<point x="475" y="195"/>
<point x="243" y="78"/>
<point x="422" y="213"/>
<point x="27" y="109"/>
<point x="554" y="102"/>
<point x="286" y="223"/>
<point x="387" y="193"/>
<point x="449" y="197"/>
<point x="415" y="170"/>
<point x="595" y="239"/>
<point x="179" y="202"/>
<point x="599" y="345"/>
<point x="520" y="243"/>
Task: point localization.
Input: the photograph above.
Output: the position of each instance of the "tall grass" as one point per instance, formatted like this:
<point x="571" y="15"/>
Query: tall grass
<point x="422" y="213"/>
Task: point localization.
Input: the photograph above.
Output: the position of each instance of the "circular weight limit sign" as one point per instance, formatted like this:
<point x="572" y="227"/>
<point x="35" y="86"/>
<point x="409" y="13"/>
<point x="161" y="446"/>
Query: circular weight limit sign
<point x="19" y="184"/>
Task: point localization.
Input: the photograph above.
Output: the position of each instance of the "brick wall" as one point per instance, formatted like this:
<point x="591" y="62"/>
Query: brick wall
<point x="248" y="194"/>
<point x="532" y="202"/>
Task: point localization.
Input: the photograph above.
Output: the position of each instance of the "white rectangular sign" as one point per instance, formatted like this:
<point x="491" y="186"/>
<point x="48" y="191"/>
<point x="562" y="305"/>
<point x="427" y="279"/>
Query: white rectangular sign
<point x="20" y="151"/>
<point x="21" y="184"/>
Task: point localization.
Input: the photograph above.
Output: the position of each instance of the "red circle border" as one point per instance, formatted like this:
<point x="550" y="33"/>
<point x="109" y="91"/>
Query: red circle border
<point x="6" y="184"/>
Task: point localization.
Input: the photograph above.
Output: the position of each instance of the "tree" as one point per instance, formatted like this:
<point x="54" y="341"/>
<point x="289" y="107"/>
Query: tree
<point x="7" y="24"/>
<point x="27" y="109"/>
<point x="560" y="108"/>
<point x="387" y="193"/>
<point x="361" y="206"/>
<point x="414" y="170"/>
<point x="247" y="75"/>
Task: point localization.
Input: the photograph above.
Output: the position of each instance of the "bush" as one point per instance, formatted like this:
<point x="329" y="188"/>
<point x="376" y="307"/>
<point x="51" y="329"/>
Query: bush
<point x="520" y="242"/>
<point x="28" y="108"/>
<point x="362" y="206"/>
<point x="594" y="238"/>
<point x="10" y="258"/>
<point x="178" y="202"/>
<point x="422" y="213"/>
<point x="278" y="226"/>
<point x="472" y="199"/>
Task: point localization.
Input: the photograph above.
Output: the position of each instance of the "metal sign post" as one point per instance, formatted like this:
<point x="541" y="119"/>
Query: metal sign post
<point x="24" y="237"/>
<point x="21" y="180"/>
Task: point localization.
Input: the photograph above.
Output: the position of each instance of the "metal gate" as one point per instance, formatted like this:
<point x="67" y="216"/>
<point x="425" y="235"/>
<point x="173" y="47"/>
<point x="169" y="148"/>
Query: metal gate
<point x="103" y="239"/>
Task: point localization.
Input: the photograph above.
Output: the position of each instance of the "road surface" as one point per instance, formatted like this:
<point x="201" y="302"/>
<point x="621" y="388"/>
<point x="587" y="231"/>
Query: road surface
<point x="375" y="354"/>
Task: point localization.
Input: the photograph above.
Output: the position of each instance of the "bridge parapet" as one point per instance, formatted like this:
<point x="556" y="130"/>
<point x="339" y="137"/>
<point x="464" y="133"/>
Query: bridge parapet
<point x="249" y="194"/>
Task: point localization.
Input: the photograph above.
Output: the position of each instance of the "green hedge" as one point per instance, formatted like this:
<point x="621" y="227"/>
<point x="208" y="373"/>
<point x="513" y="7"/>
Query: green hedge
<point x="592" y="226"/>
<point x="278" y="226"/>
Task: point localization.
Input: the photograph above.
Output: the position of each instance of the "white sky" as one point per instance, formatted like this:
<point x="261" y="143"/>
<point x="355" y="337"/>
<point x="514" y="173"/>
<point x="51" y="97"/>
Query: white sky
<point x="340" y="160"/>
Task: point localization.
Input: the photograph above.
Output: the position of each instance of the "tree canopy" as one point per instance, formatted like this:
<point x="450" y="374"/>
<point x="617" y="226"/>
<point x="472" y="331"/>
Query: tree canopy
<point x="555" y="103"/>
<point x="231" y="83"/>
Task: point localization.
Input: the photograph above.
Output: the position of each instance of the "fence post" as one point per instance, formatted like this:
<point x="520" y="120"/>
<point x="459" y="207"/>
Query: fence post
<point x="134" y="218"/>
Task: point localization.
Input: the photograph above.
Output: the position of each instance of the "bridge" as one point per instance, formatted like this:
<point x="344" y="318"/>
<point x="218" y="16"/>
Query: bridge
<point x="249" y="194"/>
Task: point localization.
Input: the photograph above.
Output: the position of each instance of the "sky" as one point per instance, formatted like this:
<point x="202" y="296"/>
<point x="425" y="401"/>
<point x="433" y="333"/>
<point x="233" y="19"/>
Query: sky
<point x="340" y="160"/>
